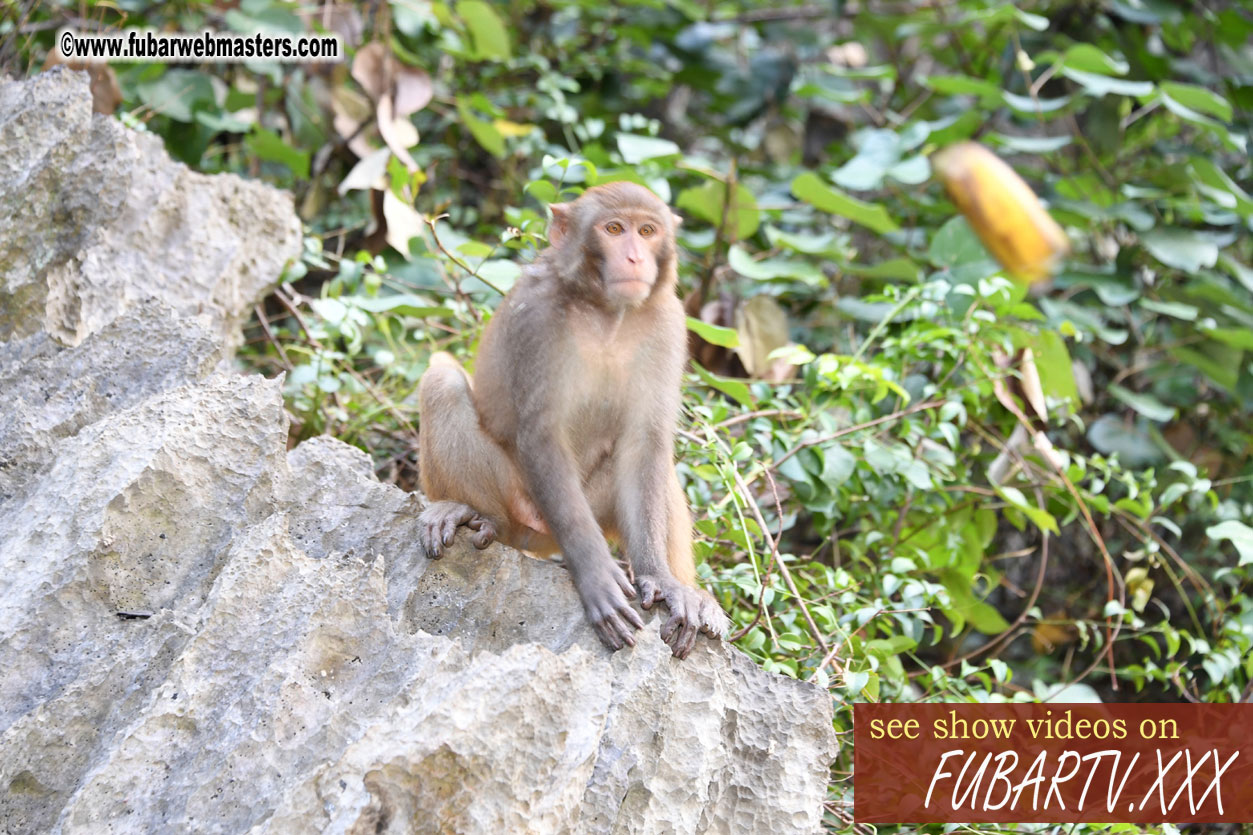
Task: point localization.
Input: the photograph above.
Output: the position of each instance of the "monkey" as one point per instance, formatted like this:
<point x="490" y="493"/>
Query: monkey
<point x="564" y="435"/>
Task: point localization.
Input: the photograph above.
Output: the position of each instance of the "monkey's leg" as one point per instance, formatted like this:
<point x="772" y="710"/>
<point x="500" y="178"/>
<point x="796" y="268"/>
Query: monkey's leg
<point x="679" y="535"/>
<point x="673" y="582"/>
<point x="468" y="478"/>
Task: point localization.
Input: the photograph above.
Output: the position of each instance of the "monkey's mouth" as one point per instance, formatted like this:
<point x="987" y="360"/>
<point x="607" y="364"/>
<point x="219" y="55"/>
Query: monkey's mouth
<point x="631" y="285"/>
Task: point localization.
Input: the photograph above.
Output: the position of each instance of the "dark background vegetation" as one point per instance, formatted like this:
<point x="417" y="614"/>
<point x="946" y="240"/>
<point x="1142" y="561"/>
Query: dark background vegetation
<point x="863" y="442"/>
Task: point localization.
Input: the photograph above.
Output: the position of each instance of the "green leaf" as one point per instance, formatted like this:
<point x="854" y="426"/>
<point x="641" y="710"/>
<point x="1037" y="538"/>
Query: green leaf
<point x="1111" y="435"/>
<point x="1218" y="361"/>
<point x="1102" y="85"/>
<point x="491" y="39"/>
<point x="1199" y="99"/>
<point x="913" y="171"/>
<point x="635" y="149"/>
<point x="1237" y="337"/>
<point x="955" y="243"/>
<point x="541" y="190"/>
<point x="1052" y="362"/>
<point x="483" y="131"/>
<point x="1218" y="186"/>
<point x="707" y="202"/>
<point x="1029" y="144"/>
<point x="986" y="619"/>
<point x="1235" y="141"/>
<point x="1029" y="106"/>
<point x="1182" y="249"/>
<point x="736" y="390"/>
<point x="475" y="249"/>
<point x="179" y="94"/>
<point x="959" y="85"/>
<point x="954" y="129"/>
<point x="837" y="465"/>
<point x="774" y="268"/>
<point x="966" y="607"/>
<point x="267" y="145"/>
<point x="1238" y="534"/>
<point x="1145" y="404"/>
<point x="894" y="268"/>
<point x="1087" y="58"/>
<point x="810" y="188"/>
<point x="1178" y="310"/>
<point x="402" y="304"/>
<point x="714" y="334"/>
<point x="1238" y="271"/>
<point x="1042" y="518"/>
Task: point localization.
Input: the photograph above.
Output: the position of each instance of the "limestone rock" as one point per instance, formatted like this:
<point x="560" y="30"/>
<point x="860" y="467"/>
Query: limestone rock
<point x="203" y="632"/>
<point x="95" y="217"/>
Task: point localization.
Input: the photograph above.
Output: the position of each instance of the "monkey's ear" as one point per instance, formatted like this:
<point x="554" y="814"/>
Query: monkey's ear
<point x="678" y="219"/>
<point x="559" y="225"/>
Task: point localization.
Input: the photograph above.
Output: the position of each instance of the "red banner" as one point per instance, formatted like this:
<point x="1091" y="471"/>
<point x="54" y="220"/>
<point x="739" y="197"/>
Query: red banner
<point x="1059" y="763"/>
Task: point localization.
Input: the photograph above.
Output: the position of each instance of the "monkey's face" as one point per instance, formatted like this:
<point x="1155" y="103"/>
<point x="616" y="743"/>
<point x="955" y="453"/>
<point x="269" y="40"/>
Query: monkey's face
<point x="631" y="247"/>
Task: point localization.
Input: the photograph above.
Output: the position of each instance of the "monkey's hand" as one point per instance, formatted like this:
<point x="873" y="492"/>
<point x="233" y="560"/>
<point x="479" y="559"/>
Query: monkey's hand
<point x="604" y="595"/>
<point x="438" y="523"/>
<point x="691" y="611"/>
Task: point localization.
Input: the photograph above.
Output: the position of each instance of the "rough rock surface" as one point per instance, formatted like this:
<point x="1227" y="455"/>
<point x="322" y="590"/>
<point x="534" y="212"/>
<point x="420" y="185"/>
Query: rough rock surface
<point x="200" y="631"/>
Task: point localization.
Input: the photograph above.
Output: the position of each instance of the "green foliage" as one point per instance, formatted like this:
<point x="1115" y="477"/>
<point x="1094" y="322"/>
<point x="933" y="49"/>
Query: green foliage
<point x="946" y="485"/>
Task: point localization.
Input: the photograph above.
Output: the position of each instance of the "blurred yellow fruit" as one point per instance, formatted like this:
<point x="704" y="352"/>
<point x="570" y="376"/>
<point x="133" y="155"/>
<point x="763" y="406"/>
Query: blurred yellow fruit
<point x="1002" y="209"/>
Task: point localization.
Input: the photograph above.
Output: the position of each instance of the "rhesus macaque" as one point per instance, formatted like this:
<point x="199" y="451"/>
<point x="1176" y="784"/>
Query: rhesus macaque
<point x="566" y="434"/>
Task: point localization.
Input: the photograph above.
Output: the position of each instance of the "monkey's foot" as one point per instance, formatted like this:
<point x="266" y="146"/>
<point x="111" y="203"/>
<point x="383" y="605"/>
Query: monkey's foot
<point x="691" y="611"/>
<point x="605" y="594"/>
<point x="438" y="523"/>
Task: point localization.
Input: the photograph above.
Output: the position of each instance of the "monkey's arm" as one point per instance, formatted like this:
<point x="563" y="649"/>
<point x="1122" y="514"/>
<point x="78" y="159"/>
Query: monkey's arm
<point x="656" y="530"/>
<point x="553" y="482"/>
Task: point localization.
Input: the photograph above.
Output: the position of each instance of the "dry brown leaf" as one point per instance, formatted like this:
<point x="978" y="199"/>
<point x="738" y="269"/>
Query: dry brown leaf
<point x="1048" y="637"/>
<point x="403" y="222"/>
<point x="1032" y="388"/>
<point x="1139" y="587"/>
<point x="414" y="90"/>
<point x="762" y="326"/>
<point x="367" y="173"/>
<point x="370" y="67"/>
<point x="398" y="132"/>
<point x="352" y="110"/>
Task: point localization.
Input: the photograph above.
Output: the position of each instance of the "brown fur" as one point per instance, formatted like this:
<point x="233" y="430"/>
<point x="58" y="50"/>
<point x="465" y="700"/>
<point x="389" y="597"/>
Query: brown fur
<point x="566" y="434"/>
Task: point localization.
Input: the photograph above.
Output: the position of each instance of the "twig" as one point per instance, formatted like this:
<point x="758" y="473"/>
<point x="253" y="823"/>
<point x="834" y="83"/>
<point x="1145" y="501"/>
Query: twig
<point x="269" y="334"/>
<point x="747" y="416"/>
<point x="848" y="430"/>
<point x="783" y="569"/>
<point x="430" y="222"/>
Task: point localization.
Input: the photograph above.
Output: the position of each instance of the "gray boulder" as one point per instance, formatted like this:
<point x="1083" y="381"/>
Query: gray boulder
<point x="202" y="631"/>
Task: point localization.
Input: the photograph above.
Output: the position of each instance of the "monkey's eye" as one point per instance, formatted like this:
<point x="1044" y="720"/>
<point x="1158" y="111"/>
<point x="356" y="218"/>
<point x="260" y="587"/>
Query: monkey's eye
<point x="614" y="228"/>
<point x="647" y="230"/>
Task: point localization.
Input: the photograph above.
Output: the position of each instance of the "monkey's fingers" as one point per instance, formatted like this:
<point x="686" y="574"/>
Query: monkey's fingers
<point x="428" y="538"/>
<point x="627" y="587"/>
<point x="613" y="631"/>
<point x="679" y="632"/>
<point x="448" y="531"/>
<point x="650" y="592"/>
